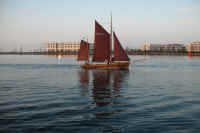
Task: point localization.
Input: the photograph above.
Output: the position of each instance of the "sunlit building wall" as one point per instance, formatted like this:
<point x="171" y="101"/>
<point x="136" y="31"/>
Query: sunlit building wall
<point x="71" y="46"/>
<point x="173" y="47"/>
<point x="63" y="47"/>
<point x="193" y="47"/>
<point x="151" y="47"/>
<point x="163" y="47"/>
<point x="52" y="46"/>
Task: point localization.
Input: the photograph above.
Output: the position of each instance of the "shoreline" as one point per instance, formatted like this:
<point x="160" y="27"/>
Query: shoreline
<point x="129" y="53"/>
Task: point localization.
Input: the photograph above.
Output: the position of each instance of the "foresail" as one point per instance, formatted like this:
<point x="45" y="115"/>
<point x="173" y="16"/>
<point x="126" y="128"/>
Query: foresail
<point x="101" y="50"/>
<point x="119" y="52"/>
<point x="83" y="54"/>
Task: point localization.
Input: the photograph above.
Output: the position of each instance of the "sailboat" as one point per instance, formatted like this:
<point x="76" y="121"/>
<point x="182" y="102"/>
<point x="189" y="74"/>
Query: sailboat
<point x="102" y="53"/>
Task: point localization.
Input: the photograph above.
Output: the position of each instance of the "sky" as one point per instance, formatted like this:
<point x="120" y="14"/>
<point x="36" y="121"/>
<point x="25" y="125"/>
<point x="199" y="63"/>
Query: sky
<point x="32" y="23"/>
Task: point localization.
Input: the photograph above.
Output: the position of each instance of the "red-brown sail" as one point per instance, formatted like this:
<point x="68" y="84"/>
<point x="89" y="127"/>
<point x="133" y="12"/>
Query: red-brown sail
<point x="101" y="50"/>
<point x="119" y="52"/>
<point x="83" y="54"/>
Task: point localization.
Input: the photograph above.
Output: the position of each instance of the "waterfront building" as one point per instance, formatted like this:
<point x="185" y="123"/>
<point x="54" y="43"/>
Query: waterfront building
<point x="54" y="46"/>
<point x="173" y="47"/>
<point x="193" y="47"/>
<point x="163" y="47"/>
<point x="145" y="47"/>
<point x="151" y="47"/>
<point x="60" y="47"/>
<point x="71" y="46"/>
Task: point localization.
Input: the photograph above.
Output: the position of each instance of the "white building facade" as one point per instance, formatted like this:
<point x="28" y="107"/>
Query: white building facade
<point x="54" y="46"/>
<point x="193" y="47"/>
<point x="163" y="47"/>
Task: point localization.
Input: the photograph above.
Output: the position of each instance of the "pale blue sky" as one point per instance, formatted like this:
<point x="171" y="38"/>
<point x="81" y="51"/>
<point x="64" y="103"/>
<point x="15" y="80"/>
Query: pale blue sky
<point x="32" y="23"/>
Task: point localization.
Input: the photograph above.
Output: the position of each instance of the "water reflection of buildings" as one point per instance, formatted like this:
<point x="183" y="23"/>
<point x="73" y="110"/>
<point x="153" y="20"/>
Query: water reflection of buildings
<point x="105" y="89"/>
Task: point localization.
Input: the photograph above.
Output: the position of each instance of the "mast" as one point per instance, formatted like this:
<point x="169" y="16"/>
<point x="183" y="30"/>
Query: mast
<point x="111" y="32"/>
<point x="88" y="61"/>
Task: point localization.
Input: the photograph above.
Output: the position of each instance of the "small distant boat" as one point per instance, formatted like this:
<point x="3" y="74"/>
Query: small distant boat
<point x="102" y="53"/>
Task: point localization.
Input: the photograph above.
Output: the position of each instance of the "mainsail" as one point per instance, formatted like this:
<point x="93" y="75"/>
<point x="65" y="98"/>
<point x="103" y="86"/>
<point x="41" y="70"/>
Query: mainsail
<point x="102" y="47"/>
<point x="83" y="54"/>
<point x="119" y="52"/>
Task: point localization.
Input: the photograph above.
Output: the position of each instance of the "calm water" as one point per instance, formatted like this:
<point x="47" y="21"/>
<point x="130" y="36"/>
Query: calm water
<point x="43" y="94"/>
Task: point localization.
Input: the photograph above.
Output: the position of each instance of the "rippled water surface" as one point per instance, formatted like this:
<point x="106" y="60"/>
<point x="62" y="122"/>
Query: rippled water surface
<point x="42" y="94"/>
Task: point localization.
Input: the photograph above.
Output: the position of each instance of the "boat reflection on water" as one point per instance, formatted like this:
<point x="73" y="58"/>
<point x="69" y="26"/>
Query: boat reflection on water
<point x="84" y="81"/>
<point x="102" y="91"/>
<point x="105" y="87"/>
